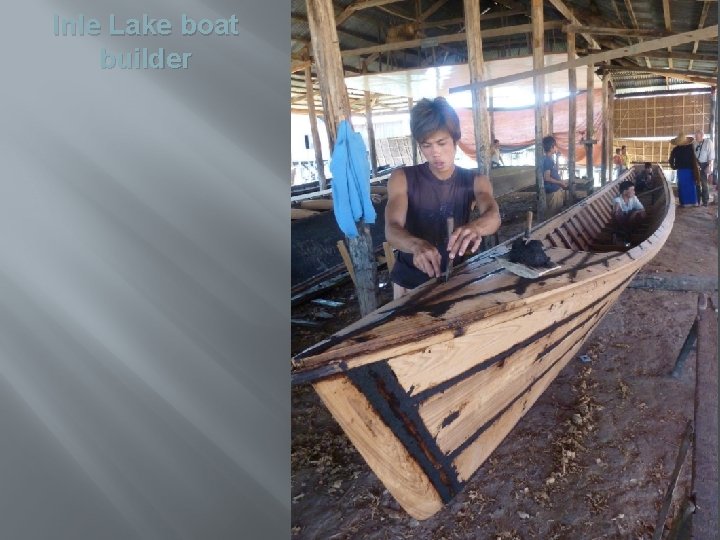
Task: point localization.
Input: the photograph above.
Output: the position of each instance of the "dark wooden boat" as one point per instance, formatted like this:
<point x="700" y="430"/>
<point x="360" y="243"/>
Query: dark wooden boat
<point x="426" y="387"/>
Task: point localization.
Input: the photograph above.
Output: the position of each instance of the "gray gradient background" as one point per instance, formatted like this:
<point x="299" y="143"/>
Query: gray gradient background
<point x="144" y="279"/>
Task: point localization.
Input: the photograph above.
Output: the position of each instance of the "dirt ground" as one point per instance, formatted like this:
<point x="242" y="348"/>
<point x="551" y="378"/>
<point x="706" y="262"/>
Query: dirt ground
<point x="593" y="457"/>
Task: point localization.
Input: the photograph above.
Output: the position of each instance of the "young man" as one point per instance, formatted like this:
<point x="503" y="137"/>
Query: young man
<point x="627" y="210"/>
<point x="554" y="186"/>
<point x="422" y="197"/>
<point x="705" y="153"/>
<point x="645" y="180"/>
<point x="625" y="158"/>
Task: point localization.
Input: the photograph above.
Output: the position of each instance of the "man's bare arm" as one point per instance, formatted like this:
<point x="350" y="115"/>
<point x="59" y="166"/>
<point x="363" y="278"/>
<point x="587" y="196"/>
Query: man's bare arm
<point x="470" y="235"/>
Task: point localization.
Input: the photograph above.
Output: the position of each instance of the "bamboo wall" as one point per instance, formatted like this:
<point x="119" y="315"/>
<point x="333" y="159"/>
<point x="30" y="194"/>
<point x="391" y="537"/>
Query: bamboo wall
<point x="658" y="116"/>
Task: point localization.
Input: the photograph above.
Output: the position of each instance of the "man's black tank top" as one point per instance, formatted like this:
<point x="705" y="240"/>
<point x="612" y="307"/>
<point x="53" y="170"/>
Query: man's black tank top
<point x="430" y="203"/>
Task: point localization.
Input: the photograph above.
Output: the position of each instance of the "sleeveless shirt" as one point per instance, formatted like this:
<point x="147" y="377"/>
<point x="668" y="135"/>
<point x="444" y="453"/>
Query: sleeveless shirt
<point x="430" y="202"/>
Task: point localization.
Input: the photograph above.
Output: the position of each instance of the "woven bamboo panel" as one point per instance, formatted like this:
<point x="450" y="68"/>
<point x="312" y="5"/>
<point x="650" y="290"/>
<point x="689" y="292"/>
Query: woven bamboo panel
<point x="661" y="116"/>
<point x="394" y="151"/>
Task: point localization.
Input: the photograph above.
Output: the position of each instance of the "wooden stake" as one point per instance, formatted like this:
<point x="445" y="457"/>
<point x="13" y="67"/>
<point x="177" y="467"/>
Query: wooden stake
<point x="589" y="120"/>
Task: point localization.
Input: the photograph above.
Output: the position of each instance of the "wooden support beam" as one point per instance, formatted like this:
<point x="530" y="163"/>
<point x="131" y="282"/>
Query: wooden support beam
<point x="610" y="31"/>
<point x="701" y="23"/>
<point x="603" y="143"/>
<point x="572" y="115"/>
<point x="370" y="131"/>
<point x="668" y="25"/>
<point x="325" y="46"/>
<point x="359" y="5"/>
<point x="538" y="45"/>
<point x="677" y="55"/>
<point x="589" y="121"/>
<point x="453" y="38"/>
<point x="570" y="16"/>
<point x="413" y="142"/>
<point x="319" y="163"/>
<point x="431" y="10"/>
<point x="691" y="76"/>
<point x="707" y="33"/>
<point x="610" y="126"/>
<point x="476" y="63"/>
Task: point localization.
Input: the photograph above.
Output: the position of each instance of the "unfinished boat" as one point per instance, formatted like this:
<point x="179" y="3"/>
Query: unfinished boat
<point x="427" y="386"/>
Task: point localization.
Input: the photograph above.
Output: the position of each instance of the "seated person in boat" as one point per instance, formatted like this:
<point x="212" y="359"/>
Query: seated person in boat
<point x="554" y="186"/>
<point x="644" y="181"/>
<point x="421" y="198"/>
<point x="628" y="211"/>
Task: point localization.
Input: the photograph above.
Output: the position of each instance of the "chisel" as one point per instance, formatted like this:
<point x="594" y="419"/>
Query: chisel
<point x="450" y="229"/>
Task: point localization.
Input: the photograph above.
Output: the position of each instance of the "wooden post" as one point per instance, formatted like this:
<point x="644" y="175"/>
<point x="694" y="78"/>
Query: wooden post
<point x="481" y="120"/>
<point x="370" y="129"/>
<point x="589" y="122"/>
<point x="326" y="48"/>
<point x="319" y="163"/>
<point x="610" y="130"/>
<point x="604" y="132"/>
<point x="572" y="114"/>
<point x="538" y="40"/>
<point x="413" y="142"/>
<point x="493" y="135"/>
<point x="550" y="119"/>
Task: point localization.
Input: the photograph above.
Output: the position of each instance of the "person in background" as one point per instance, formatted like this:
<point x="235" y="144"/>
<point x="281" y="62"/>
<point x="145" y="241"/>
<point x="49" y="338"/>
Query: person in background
<point x="705" y="154"/>
<point x="682" y="159"/>
<point x="554" y="186"/>
<point x="496" y="159"/>
<point x="421" y="198"/>
<point x="628" y="211"/>
<point x="625" y="158"/>
<point x="645" y="181"/>
<point x="617" y="163"/>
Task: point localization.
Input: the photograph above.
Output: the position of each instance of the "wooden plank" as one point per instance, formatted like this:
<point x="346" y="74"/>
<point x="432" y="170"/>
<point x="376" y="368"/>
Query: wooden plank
<point x="476" y="400"/>
<point x="345" y="254"/>
<point x="317" y="204"/>
<point x="479" y="450"/>
<point x="707" y="33"/>
<point x="389" y="256"/>
<point x="566" y="12"/>
<point x="300" y="213"/>
<point x="433" y="365"/>
<point x="705" y="462"/>
<point x="379" y="446"/>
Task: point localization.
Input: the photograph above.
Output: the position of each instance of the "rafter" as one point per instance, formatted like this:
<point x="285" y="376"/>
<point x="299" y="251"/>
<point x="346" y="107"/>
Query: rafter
<point x="570" y="16"/>
<point x="359" y="5"/>
<point x="453" y="38"/>
<point x="703" y="16"/>
<point x="609" y="31"/>
<point x="708" y="33"/>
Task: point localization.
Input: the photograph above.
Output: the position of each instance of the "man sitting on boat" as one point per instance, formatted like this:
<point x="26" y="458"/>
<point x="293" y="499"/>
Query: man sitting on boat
<point x="645" y="180"/>
<point x="421" y="198"/>
<point x="628" y="211"/>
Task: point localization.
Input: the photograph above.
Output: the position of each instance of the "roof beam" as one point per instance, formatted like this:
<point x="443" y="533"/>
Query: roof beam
<point x="570" y="16"/>
<point x="677" y="55"/>
<point x="452" y="38"/>
<point x="708" y="33"/>
<point x="668" y="25"/>
<point x="431" y="10"/>
<point x="692" y="76"/>
<point x="703" y="16"/>
<point x="359" y="5"/>
<point x="608" y="31"/>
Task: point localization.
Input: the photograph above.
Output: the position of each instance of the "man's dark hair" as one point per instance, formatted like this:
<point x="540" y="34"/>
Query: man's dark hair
<point x="495" y="141"/>
<point x="648" y="164"/>
<point x="429" y="116"/>
<point x="625" y="184"/>
<point x="548" y="142"/>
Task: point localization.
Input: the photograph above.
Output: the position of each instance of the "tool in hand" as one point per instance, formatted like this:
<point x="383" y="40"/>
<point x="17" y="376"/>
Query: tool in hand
<point x="450" y="229"/>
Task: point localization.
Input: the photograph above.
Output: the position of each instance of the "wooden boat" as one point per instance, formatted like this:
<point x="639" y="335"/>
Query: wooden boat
<point x="426" y="387"/>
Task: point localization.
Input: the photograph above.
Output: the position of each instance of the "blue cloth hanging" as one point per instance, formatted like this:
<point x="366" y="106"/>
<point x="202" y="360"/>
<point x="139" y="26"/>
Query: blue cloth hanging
<point x="350" y="181"/>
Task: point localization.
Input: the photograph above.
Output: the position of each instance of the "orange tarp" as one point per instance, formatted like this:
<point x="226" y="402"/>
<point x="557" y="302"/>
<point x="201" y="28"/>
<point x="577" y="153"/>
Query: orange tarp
<point x="515" y="129"/>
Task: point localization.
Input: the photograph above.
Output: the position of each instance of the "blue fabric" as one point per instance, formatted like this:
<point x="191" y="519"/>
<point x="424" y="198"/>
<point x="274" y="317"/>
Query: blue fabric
<point x="687" y="192"/>
<point x="350" y="181"/>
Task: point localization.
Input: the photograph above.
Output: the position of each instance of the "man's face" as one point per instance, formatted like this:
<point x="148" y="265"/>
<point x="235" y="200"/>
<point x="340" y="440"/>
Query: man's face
<point x="629" y="192"/>
<point x="699" y="135"/>
<point x="439" y="150"/>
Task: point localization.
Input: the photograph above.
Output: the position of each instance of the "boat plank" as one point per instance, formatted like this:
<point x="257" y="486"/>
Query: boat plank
<point x="379" y="446"/>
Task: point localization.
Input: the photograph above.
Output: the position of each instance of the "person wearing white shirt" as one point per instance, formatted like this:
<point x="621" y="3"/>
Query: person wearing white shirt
<point x="705" y="153"/>
<point x="628" y="211"/>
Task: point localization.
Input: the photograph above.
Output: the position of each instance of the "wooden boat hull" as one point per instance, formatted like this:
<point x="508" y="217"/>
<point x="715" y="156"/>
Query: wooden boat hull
<point x="428" y="386"/>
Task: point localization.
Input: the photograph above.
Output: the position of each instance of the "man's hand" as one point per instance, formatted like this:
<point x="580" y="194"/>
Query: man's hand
<point x="426" y="257"/>
<point x="467" y="236"/>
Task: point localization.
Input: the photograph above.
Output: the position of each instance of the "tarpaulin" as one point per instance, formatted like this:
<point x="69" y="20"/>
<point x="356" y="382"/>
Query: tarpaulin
<point x="350" y="180"/>
<point x="515" y="129"/>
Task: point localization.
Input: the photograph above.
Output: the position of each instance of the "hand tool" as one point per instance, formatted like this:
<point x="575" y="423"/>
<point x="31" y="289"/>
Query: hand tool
<point x="450" y="229"/>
